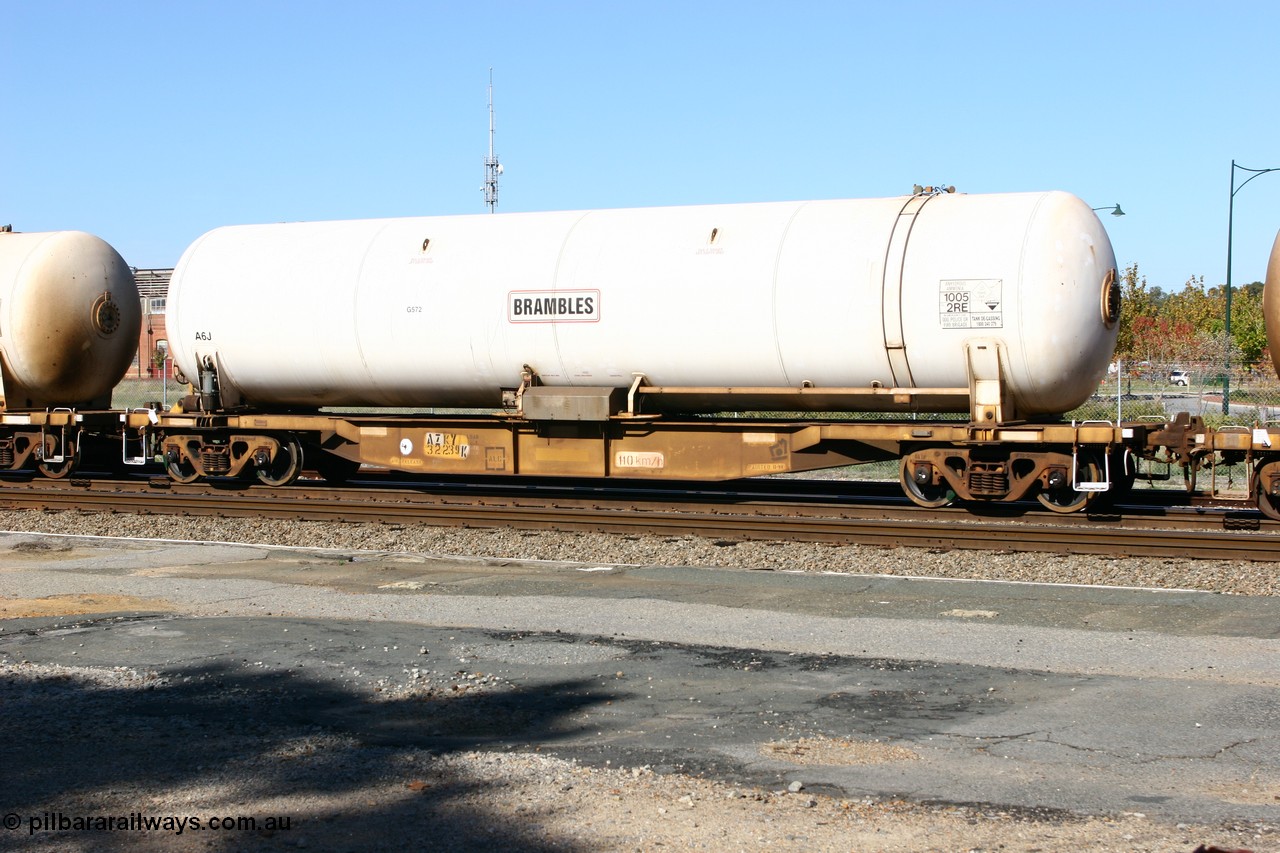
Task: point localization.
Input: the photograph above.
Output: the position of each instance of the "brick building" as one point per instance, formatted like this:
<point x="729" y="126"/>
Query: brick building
<point x="153" y="341"/>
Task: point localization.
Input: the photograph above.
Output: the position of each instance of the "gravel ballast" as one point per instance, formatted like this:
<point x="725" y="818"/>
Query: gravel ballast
<point x="1222" y="576"/>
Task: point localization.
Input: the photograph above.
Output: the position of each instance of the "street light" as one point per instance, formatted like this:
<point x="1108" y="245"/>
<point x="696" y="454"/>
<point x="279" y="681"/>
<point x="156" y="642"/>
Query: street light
<point x="1231" y="210"/>
<point x="1116" y="211"/>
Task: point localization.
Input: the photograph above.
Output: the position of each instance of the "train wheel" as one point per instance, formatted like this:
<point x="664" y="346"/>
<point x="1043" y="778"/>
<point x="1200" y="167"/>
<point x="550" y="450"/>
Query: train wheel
<point x="926" y="495"/>
<point x="180" y="470"/>
<point x="1268" y="504"/>
<point x="58" y="470"/>
<point x="287" y="465"/>
<point x="1066" y="498"/>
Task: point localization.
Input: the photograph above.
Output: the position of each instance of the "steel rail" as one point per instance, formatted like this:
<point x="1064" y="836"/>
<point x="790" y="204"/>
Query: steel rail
<point x="1112" y="535"/>
<point x="764" y="498"/>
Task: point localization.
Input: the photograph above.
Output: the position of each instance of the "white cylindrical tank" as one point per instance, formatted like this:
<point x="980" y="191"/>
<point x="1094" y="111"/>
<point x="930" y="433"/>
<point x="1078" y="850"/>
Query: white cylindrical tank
<point x="1271" y="304"/>
<point x="447" y="311"/>
<point x="69" y="319"/>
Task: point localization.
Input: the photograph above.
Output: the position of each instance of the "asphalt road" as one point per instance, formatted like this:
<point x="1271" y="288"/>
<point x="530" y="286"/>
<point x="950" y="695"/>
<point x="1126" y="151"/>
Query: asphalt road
<point x="1032" y="697"/>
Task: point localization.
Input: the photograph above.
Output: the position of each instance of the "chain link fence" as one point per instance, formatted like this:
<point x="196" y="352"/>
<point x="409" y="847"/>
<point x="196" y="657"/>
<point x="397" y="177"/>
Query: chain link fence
<point x="1222" y="393"/>
<point x="141" y="387"/>
<point x="1160" y="390"/>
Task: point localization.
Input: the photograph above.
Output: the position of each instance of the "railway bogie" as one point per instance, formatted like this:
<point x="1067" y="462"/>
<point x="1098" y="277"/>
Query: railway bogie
<point x="1062" y="480"/>
<point x="275" y="460"/>
<point x="52" y="452"/>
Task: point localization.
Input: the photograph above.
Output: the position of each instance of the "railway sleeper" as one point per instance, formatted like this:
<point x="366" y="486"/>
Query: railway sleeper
<point x="1060" y="480"/>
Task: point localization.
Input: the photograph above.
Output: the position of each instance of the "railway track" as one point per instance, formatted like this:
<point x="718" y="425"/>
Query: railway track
<point x="1228" y="533"/>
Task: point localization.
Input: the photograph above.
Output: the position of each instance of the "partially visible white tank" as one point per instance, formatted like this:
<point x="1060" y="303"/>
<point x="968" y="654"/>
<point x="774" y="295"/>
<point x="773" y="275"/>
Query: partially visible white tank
<point x="448" y="311"/>
<point x="69" y="319"/>
<point x="1271" y="304"/>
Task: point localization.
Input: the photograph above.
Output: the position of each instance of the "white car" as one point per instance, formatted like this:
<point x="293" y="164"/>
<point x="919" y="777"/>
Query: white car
<point x="1179" y="377"/>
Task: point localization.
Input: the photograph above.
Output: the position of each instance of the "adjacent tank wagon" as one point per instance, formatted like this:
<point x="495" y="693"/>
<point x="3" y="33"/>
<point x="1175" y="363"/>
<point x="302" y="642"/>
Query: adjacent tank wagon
<point x="69" y="323"/>
<point x="69" y="320"/>
<point x="1265" y="485"/>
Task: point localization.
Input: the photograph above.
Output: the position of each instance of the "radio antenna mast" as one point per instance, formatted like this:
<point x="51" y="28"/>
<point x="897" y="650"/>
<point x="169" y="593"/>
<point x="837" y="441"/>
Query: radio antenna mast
<point x="492" y="168"/>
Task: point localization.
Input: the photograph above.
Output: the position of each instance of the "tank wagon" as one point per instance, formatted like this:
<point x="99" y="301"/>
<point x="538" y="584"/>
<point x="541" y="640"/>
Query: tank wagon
<point x="1265" y="485"/>
<point x="600" y="340"/>
<point x="69" y="321"/>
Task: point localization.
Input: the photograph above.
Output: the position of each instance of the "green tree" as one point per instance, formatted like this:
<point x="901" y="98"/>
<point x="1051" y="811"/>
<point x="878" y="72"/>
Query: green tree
<point x="1202" y="310"/>
<point x="1248" y="328"/>
<point x="1136" y="301"/>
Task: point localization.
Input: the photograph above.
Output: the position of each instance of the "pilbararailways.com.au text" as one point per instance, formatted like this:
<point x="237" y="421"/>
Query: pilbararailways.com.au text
<point x="139" y="822"/>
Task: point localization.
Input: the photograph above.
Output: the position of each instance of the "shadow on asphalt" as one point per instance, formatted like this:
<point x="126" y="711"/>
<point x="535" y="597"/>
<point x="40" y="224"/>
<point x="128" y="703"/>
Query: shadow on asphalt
<point x="274" y="734"/>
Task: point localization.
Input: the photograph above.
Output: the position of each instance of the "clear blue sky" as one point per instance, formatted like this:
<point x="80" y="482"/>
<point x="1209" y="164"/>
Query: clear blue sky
<point x="149" y="123"/>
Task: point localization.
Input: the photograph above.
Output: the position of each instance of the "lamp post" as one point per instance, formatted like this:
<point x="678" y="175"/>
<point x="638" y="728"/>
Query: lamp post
<point x="1116" y="211"/>
<point x="1231" y="210"/>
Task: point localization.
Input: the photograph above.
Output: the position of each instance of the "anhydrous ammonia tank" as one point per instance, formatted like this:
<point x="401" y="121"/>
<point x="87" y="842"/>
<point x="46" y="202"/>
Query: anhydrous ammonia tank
<point x="1271" y="303"/>
<point x="448" y="311"/>
<point x="69" y="319"/>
